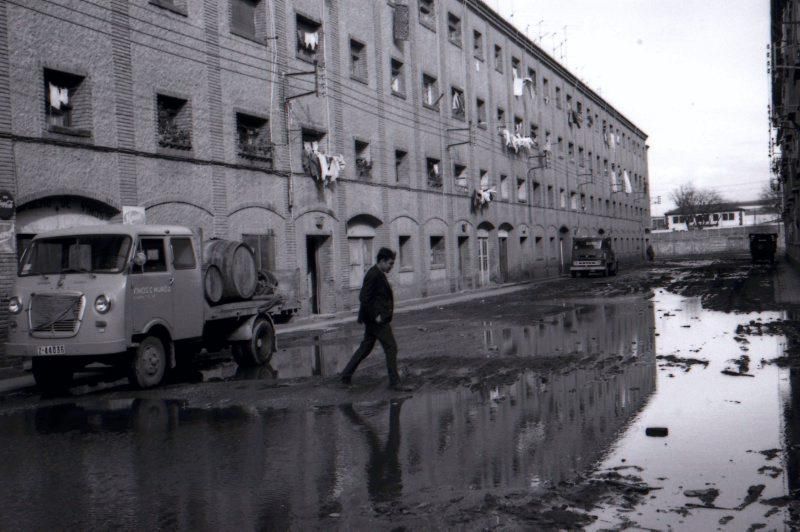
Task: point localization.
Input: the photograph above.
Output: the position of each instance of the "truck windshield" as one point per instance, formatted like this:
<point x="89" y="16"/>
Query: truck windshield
<point x="587" y="244"/>
<point x="76" y="254"/>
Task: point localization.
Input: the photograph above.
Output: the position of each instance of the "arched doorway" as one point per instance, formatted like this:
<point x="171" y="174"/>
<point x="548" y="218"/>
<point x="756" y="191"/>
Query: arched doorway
<point x="503" y="234"/>
<point x="564" y="248"/>
<point x="484" y="264"/>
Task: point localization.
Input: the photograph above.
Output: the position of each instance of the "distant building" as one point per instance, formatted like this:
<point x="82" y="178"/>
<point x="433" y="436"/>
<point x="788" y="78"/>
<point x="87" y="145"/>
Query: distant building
<point x="658" y="223"/>
<point x="723" y="215"/>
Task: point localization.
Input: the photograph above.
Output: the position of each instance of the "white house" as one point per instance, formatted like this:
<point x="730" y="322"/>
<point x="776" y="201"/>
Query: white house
<point x="723" y="215"/>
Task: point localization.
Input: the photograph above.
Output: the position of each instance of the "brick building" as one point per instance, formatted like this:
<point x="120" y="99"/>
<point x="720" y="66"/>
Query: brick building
<point x="784" y="112"/>
<point x="465" y="147"/>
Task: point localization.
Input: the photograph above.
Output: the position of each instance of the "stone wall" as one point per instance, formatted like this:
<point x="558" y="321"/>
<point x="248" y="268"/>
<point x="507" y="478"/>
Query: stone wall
<point x="730" y="240"/>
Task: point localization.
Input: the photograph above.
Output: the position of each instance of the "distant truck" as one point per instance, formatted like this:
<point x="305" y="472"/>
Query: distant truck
<point x="593" y="255"/>
<point x="137" y="296"/>
<point x="763" y="246"/>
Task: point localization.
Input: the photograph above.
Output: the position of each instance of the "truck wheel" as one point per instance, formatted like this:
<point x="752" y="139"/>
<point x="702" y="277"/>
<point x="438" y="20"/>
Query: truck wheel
<point x="149" y="363"/>
<point x="256" y="351"/>
<point x="51" y="376"/>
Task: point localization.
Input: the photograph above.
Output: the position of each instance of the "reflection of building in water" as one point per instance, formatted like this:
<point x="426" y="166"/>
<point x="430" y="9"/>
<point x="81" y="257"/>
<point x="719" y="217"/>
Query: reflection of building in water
<point x="792" y="413"/>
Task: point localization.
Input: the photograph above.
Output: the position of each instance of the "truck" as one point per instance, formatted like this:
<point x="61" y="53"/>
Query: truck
<point x="593" y="255"/>
<point x="763" y="247"/>
<point x="139" y="297"/>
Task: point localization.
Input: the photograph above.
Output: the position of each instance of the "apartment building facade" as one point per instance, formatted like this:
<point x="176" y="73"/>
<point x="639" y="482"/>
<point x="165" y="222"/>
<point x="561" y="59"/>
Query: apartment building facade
<point x="784" y="67"/>
<point x="317" y="131"/>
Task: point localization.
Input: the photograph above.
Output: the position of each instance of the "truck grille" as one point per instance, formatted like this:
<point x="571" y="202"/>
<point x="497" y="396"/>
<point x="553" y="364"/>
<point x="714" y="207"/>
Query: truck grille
<point x="59" y="315"/>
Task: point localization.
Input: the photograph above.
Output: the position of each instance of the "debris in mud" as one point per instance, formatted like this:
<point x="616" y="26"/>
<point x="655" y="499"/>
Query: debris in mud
<point x="772" y="471"/>
<point x="708" y="496"/>
<point x="770" y="454"/>
<point x="725" y="520"/>
<point x="753" y="492"/>
<point x="656" y="432"/>
<point x="742" y="367"/>
<point x="680" y="362"/>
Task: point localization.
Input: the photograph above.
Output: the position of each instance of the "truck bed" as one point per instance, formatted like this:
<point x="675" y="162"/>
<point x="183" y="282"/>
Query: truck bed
<point x="271" y="303"/>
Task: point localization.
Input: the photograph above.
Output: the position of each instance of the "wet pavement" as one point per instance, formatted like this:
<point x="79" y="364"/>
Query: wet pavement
<point x="586" y="404"/>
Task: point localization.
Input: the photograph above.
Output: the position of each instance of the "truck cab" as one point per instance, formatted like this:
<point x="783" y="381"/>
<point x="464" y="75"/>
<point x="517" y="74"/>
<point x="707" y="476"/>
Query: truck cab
<point x="99" y="293"/>
<point x="593" y="254"/>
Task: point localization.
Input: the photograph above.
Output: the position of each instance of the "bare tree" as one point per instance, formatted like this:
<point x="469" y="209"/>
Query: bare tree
<point x="773" y="195"/>
<point x="696" y="204"/>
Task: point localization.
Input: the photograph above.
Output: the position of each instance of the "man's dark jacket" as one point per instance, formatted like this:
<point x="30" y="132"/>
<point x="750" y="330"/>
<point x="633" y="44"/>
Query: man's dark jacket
<point x="376" y="297"/>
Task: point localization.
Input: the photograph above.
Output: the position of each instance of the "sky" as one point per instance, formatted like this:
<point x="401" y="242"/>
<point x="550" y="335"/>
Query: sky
<point x="692" y="74"/>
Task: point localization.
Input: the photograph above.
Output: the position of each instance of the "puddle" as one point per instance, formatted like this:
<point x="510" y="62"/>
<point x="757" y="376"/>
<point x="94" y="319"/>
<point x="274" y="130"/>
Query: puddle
<point x="717" y="423"/>
<point x="145" y="463"/>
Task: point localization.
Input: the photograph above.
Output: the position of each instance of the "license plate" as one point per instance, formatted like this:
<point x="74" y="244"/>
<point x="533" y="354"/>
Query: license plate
<point x="50" y="350"/>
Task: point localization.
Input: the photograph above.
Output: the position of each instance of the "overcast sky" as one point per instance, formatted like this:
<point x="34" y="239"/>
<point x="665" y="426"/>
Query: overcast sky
<point x="690" y="73"/>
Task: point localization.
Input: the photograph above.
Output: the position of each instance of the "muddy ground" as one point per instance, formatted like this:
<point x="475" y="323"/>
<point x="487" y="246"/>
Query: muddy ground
<point x="554" y="339"/>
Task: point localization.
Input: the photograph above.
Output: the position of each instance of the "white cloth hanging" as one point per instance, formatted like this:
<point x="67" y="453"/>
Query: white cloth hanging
<point x="614" y="184"/>
<point x="58" y="96"/>
<point x="519" y="85"/>
<point x="626" y="182"/>
<point x="311" y="40"/>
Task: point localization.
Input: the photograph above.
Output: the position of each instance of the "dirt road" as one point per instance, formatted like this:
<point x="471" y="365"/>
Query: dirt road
<point x="665" y="397"/>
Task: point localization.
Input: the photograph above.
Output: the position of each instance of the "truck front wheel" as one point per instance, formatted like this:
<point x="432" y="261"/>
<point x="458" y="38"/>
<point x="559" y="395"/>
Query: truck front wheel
<point x="149" y="363"/>
<point x="51" y="376"/>
<point x="256" y="351"/>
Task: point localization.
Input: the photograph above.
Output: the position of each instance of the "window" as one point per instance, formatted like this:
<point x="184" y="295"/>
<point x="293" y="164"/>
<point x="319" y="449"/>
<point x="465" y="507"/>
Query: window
<point x="182" y="253"/>
<point x="247" y="19"/>
<point x="358" y="60"/>
<point x="434" y="172"/>
<point x="430" y="91"/>
<point x="534" y="132"/>
<point x="398" y="78"/>
<point x="532" y="77"/>
<point x="253" y="138"/>
<point x="515" y="71"/>
<point x="485" y="181"/>
<point x="480" y="107"/>
<point x="427" y="14"/>
<point x="536" y="193"/>
<point x="438" y="257"/>
<point x="503" y="187"/>
<point x="522" y="190"/>
<point x="562" y="198"/>
<point x="498" y="58"/>
<point x="405" y="253"/>
<point x="477" y="44"/>
<point x="571" y="151"/>
<point x="457" y="103"/>
<point x="263" y="246"/>
<point x="581" y="160"/>
<point x="311" y="140"/>
<point x="454" y="29"/>
<point x="501" y="117"/>
<point x="573" y="201"/>
<point x="551" y="196"/>
<point x="460" y="177"/>
<point x="68" y="104"/>
<point x="401" y="167"/>
<point x="176" y="6"/>
<point x="360" y="258"/>
<point x="546" y="90"/>
<point x="560" y="147"/>
<point x="558" y="98"/>
<point x="363" y="161"/>
<point x="174" y="123"/>
<point x="153" y="249"/>
<point x="308" y="39"/>
<point x="518" y="126"/>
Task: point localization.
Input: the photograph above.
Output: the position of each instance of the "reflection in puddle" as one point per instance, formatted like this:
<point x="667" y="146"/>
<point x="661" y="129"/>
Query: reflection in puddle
<point x="149" y="464"/>
<point x="718" y="424"/>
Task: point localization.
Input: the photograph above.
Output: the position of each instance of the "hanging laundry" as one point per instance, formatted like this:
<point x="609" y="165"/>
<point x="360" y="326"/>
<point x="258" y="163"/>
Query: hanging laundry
<point x="547" y="145"/>
<point x="614" y="183"/>
<point x="528" y="82"/>
<point x="519" y="85"/>
<point x="526" y="142"/>
<point x="458" y="104"/>
<point x="477" y="65"/>
<point x="311" y="40"/>
<point x="626" y="182"/>
<point x="58" y="96"/>
<point x="324" y="171"/>
<point x="508" y="138"/>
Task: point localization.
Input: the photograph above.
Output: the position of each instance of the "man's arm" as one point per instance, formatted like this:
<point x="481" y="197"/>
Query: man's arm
<point x="367" y="295"/>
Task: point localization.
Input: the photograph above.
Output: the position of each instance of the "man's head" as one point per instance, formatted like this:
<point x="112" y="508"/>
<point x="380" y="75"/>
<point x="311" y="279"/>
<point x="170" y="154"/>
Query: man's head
<point x="386" y="259"/>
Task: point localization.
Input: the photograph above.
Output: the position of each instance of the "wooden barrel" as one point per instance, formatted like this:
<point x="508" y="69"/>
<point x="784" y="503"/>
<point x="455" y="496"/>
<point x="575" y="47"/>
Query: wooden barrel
<point x="212" y="285"/>
<point x="237" y="266"/>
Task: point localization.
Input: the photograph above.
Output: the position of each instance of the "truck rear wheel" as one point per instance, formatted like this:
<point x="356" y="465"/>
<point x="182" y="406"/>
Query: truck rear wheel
<point x="256" y="351"/>
<point x="149" y="363"/>
<point x="51" y="376"/>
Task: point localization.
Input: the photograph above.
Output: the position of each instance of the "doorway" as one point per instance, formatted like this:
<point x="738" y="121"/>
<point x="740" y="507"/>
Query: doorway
<point x="483" y="260"/>
<point x="314" y="244"/>
<point x="463" y="262"/>
<point x="503" y="257"/>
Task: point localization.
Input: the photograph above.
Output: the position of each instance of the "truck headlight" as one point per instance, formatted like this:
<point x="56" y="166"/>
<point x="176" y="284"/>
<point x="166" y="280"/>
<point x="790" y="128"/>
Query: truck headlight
<point x="102" y="304"/>
<point x="14" y="305"/>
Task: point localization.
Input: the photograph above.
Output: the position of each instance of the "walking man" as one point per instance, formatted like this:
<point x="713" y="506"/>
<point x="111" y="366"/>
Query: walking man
<point x="375" y="312"/>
